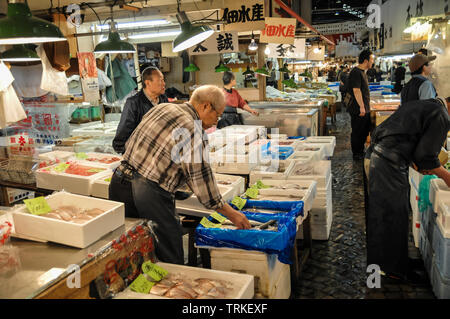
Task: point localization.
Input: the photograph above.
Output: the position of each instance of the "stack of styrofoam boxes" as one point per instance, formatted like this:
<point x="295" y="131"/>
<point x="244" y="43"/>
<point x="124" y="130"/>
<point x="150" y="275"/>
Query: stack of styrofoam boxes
<point x="329" y="143"/>
<point x="317" y="149"/>
<point x="272" y="278"/>
<point x="322" y="209"/>
<point x="274" y="172"/>
<point x="414" y="180"/>
<point x="237" y="183"/>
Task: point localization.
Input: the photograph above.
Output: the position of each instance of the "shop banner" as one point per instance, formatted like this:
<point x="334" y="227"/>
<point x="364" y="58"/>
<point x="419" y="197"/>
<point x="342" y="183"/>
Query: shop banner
<point x="288" y="51"/>
<point x="241" y="15"/>
<point x="278" y="30"/>
<point x="88" y="76"/>
<point x="219" y="42"/>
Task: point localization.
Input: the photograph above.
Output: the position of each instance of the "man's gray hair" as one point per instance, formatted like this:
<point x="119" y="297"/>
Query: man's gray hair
<point x="209" y="94"/>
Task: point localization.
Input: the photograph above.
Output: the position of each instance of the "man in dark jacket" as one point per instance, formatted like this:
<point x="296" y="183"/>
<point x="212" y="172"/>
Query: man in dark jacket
<point x="134" y="110"/>
<point x="138" y="105"/>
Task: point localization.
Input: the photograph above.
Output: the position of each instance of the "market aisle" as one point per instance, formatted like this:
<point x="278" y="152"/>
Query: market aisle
<point x="337" y="268"/>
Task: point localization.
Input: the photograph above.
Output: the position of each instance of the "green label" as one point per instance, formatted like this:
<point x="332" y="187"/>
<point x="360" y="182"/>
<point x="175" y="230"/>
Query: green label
<point x="209" y="224"/>
<point x="154" y="271"/>
<point x="239" y="202"/>
<point x="108" y="179"/>
<point x="37" y="206"/>
<point x="260" y="185"/>
<point x="218" y="217"/>
<point x="252" y="193"/>
<point x="141" y="285"/>
<point x="81" y="156"/>
<point x="61" y="167"/>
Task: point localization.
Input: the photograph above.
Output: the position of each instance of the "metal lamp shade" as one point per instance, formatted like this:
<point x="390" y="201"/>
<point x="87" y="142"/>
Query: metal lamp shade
<point x="248" y="71"/>
<point x="20" y="27"/>
<point x="114" y="45"/>
<point x="19" y="53"/>
<point x="222" y="68"/>
<point x="190" y="35"/>
<point x="262" y="71"/>
<point x="191" y="68"/>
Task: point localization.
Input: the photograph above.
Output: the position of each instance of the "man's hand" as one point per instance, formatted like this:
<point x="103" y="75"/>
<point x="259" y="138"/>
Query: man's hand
<point x="254" y="112"/>
<point x="362" y="111"/>
<point x="236" y="217"/>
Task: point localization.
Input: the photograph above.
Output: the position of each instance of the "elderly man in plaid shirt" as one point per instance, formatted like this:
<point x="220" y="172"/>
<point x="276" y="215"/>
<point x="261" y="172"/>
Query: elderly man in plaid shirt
<point x="164" y="153"/>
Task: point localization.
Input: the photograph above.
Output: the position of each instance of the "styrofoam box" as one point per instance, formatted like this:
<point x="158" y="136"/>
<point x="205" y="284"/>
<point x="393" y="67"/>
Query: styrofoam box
<point x="441" y="248"/>
<point x="414" y="200"/>
<point x="426" y="251"/>
<point x="328" y="141"/>
<point x="308" y="191"/>
<point x="244" y="137"/>
<point x="318" y="231"/>
<point x="237" y="183"/>
<point x="243" y="284"/>
<point x="100" y="187"/>
<point x="444" y="214"/>
<point x="284" y="143"/>
<point x="71" y="234"/>
<point x="71" y="183"/>
<point x="322" y="214"/>
<point x="428" y="223"/>
<point x="305" y="156"/>
<point x="269" y="172"/>
<point x="440" y="283"/>
<point x="252" y="133"/>
<point x="438" y="192"/>
<point x="323" y="196"/>
<point x="415" y="224"/>
<point x="101" y="156"/>
<point x="321" y="172"/>
<point x="194" y="203"/>
<point x="95" y="130"/>
<point x="316" y="148"/>
<point x="272" y="278"/>
<point x="233" y="168"/>
<point x="277" y="136"/>
<point x="415" y="177"/>
<point x="60" y="155"/>
<point x="260" y="129"/>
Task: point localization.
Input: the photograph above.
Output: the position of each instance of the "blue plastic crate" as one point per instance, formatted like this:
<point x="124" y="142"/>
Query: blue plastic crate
<point x="426" y="251"/>
<point x="440" y="283"/>
<point x="441" y="247"/>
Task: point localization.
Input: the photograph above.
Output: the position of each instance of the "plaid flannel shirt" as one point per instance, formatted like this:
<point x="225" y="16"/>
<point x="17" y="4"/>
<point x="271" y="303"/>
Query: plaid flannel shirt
<point x="167" y="148"/>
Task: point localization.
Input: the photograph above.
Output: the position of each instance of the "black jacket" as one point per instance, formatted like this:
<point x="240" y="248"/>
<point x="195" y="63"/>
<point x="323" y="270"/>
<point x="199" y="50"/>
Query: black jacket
<point x="135" y="108"/>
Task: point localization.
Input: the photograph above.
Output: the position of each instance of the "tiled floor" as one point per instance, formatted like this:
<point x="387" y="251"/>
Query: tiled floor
<point x="337" y="268"/>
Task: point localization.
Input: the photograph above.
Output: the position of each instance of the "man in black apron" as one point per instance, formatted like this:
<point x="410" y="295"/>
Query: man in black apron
<point x="233" y="101"/>
<point x="413" y="134"/>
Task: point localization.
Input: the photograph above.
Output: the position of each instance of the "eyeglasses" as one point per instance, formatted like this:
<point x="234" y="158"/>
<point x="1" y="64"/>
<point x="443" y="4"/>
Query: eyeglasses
<point x="214" y="109"/>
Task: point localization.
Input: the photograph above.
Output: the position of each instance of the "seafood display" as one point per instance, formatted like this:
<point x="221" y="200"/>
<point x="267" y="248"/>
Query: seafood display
<point x="271" y="225"/>
<point x="304" y="170"/>
<point x="103" y="160"/>
<point x="74" y="169"/>
<point x="178" y="287"/>
<point x="74" y="214"/>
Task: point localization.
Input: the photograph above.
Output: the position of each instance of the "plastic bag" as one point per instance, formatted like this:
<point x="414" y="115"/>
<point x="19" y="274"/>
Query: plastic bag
<point x="271" y="242"/>
<point x="283" y="206"/>
<point x="424" y="192"/>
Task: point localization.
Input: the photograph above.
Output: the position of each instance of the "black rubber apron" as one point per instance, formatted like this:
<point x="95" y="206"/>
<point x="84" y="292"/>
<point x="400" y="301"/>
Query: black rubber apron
<point x="388" y="213"/>
<point x="229" y="117"/>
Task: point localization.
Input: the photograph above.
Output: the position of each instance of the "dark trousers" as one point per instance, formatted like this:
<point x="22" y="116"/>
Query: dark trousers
<point x="158" y="206"/>
<point x="120" y="191"/>
<point x="360" y="131"/>
<point x="387" y="216"/>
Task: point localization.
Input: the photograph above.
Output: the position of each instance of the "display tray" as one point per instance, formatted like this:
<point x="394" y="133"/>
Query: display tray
<point x="277" y="172"/>
<point x="69" y="233"/>
<point x="439" y="192"/>
<point x="60" y="155"/>
<point x="319" y="149"/>
<point x="318" y="171"/>
<point x="100" y="186"/>
<point x="110" y="161"/>
<point x="329" y="143"/>
<point x="243" y="285"/>
<point x="237" y="183"/>
<point x="193" y="202"/>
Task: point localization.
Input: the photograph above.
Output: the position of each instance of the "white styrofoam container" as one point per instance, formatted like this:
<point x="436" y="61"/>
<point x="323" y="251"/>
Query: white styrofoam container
<point x="100" y="187"/>
<point x="321" y="172"/>
<point x="320" y="214"/>
<point x="308" y="190"/>
<point x="243" y="284"/>
<point x="251" y="133"/>
<point x="272" y="278"/>
<point x="100" y="156"/>
<point x="71" y="183"/>
<point x="71" y="234"/>
<point x="237" y="183"/>
<point x="305" y="156"/>
<point x="444" y="215"/>
<point x="277" y="136"/>
<point x="439" y="192"/>
<point x="270" y="172"/>
<point x="328" y="141"/>
<point x="193" y="202"/>
<point x="415" y="224"/>
<point x="415" y="178"/>
<point x="319" y="149"/>
<point x="60" y="155"/>
<point x="284" y="143"/>
<point x="260" y="129"/>
<point x="318" y="231"/>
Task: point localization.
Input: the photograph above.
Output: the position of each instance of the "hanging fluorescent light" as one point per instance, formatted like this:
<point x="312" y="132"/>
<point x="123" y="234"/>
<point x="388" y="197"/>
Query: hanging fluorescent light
<point x="154" y="35"/>
<point x="20" y="27"/>
<point x="135" y="24"/>
<point x="114" y="44"/>
<point x="190" y="35"/>
<point x="253" y="46"/>
<point x="19" y="53"/>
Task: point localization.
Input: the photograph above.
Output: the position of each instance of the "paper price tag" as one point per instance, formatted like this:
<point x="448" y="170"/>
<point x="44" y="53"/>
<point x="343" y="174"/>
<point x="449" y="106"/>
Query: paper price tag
<point x="218" y="217"/>
<point x="141" y="285"/>
<point x="239" y="202"/>
<point x="205" y="222"/>
<point x="155" y="272"/>
<point x="81" y="156"/>
<point x="252" y="193"/>
<point x="37" y="206"/>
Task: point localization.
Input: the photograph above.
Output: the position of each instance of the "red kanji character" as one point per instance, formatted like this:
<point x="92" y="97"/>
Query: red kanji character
<point x="13" y="140"/>
<point x="47" y="119"/>
<point x="30" y="141"/>
<point x="22" y="141"/>
<point x="290" y="32"/>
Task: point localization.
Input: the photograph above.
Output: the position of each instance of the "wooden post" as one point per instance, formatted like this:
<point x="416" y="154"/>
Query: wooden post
<point x="280" y="80"/>
<point x="261" y="79"/>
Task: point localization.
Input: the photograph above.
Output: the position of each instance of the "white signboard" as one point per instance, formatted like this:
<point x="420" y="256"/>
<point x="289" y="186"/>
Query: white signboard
<point x="219" y="42"/>
<point x="288" y="51"/>
<point x="278" y="30"/>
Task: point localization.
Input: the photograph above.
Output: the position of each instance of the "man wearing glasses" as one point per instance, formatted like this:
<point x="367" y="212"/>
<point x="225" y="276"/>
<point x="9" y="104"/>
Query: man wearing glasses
<point x="164" y="153"/>
<point x="419" y="87"/>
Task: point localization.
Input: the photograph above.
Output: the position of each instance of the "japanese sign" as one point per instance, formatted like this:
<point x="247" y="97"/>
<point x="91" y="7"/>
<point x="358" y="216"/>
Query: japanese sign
<point x="89" y="76"/>
<point x="278" y="30"/>
<point x="219" y="42"/>
<point x="288" y="51"/>
<point x="243" y="16"/>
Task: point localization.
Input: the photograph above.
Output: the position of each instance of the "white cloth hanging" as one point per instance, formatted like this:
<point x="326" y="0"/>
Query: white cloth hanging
<point x="103" y="79"/>
<point x="11" y="109"/>
<point x="27" y="80"/>
<point x="52" y="80"/>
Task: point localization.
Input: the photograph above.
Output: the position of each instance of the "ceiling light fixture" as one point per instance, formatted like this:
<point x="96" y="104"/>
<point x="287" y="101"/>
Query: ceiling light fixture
<point x="267" y="50"/>
<point x="19" y="53"/>
<point x="135" y="24"/>
<point x="20" y="27"/>
<point x="190" y="35"/>
<point x="253" y="46"/>
<point x="154" y="35"/>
